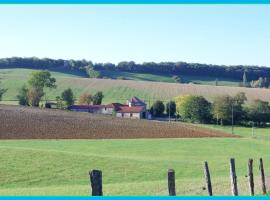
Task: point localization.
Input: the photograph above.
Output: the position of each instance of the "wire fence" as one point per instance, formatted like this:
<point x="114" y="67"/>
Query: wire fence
<point x="253" y="182"/>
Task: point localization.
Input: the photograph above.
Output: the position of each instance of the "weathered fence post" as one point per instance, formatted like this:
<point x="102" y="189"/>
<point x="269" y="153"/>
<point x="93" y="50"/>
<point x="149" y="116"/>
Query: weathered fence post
<point x="208" y="178"/>
<point x="233" y="177"/>
<point x="171" y="182"/>
<point x="96" y="182"/>
<point x="262" y="176"/>
<point x="250" y="177"/>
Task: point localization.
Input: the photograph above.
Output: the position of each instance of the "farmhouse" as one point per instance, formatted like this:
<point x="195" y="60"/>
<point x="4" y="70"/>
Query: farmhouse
<point x="134" y="108"/>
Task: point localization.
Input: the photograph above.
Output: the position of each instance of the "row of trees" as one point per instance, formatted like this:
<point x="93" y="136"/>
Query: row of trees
<point x="32" y="93"/>
<point x="69" y="98"/>
<point x="171" y="68"/>
<point x="224" y="110"/>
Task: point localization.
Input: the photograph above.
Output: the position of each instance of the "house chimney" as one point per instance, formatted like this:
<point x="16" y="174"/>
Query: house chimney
<point x="129" y="104"/>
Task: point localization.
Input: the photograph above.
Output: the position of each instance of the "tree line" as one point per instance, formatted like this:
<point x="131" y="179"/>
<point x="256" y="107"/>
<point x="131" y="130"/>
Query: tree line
<point x="223" y="110"/>
<point x="170" y="68"/>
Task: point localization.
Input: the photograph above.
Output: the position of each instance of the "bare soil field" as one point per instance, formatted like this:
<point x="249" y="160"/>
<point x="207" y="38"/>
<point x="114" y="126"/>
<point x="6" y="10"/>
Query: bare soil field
<point x="34" y="123"/>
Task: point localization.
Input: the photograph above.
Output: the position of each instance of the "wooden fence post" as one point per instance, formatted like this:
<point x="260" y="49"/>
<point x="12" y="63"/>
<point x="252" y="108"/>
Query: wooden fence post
<point x="96" y="182"/>
<point x="262" y="176"/>
<point x="171" y="182"/>
<point x="250" y="177"/>
<point x="233" y="177"/>
<point x="208" y="178"/>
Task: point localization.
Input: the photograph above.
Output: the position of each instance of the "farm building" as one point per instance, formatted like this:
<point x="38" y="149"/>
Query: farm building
<point x="134" y="108"/>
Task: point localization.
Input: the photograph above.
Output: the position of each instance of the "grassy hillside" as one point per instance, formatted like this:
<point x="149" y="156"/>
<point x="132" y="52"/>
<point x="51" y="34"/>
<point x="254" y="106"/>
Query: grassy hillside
<point x="130" y="167"/>
<point x="203" y="80"/>
<point x="121" y="90"/>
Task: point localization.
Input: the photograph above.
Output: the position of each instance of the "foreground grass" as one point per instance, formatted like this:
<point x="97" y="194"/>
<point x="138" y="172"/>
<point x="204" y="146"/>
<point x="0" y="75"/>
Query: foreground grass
<point x="256" y="133"/>
<point x="130" y="167"/>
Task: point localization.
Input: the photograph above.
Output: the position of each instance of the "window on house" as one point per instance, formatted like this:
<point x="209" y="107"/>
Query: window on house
<point x="131" y="114"/>
<point x="122" y="114"/>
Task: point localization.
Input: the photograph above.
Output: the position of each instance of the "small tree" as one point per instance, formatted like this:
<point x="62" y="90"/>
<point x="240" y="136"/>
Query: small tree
<point x="245" y="81"/>
<point x="222" y="109"/>
<point x="97" y="98"/>
<point x="216" y="82"/>
<point x="85" y="99"/>
<point x="157" y="108"/>
<point x="59" y="102"/>
<point x="23" y="96"/>
<point x="68" y="97"/>
<point x="2" y="91"/>
<point x="171" y="108"/>
<point x="34" y="96"/>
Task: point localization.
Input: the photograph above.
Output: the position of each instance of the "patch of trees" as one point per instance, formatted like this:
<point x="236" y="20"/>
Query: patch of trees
<point x="262" y="82"/>
<point x="158" y="108"/>
<point x="95" y="99"/>
<point x="32" y="93"/>
<point x="169" y="68"/>
<point x="224" y="110"/>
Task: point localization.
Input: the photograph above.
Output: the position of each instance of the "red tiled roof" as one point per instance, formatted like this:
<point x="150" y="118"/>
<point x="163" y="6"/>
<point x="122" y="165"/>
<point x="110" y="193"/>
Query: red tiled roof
<point x="127" y="109"/>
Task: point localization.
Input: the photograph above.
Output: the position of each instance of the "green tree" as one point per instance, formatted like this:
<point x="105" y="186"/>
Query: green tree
<point x="2" y="91"/>
<point x="259" y="112"/>
<point x="157" y="109"/>
<point x="23" y="96"/>
<point x="42" y="79"/>
<point x="59" y="102"/>
<point x="68" y="97"/>
<point x="171" y="108"/>
<point x="222" y="108"/>
<point x="97" y="98"/>
<point x="92" y="73"/>
<point x="34" y="96"/>
<point x="194" y="108"/>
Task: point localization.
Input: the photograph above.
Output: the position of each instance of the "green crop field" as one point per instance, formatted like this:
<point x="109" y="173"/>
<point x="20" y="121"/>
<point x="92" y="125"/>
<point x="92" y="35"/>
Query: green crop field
<point x="130" y="167"/>
<point x="202" y="80"/>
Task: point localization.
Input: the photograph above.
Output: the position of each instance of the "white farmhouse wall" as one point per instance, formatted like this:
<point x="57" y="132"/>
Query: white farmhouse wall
<point x="129" y="115"/>
<point x="107" y="111"/>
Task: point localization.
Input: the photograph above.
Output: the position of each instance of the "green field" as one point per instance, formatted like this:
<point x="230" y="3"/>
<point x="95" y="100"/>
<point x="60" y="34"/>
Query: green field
<point x="202" y="80"/>
<point x="13" y="79"/>
<point x="130" y="167"/>
<point x="256" y="133"/>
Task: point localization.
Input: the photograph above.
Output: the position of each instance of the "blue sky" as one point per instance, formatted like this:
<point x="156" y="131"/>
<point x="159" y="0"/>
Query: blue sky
<point x="214" y="34"/>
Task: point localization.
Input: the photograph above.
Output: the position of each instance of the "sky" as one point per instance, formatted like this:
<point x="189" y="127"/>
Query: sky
<point x="212" y="34"/>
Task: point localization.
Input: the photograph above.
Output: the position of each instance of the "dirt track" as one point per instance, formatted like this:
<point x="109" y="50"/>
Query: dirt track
<point x="33" y="123"/>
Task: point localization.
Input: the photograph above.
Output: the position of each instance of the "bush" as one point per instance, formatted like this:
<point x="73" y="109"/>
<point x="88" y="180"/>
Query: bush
<point x="157" y="109"/>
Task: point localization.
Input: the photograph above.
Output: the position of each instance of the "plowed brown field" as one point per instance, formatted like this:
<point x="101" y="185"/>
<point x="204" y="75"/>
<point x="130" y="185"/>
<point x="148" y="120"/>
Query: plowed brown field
<point x="33" y="123"/>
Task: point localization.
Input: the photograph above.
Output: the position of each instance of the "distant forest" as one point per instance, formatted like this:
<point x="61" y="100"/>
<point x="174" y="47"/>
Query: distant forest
<point x="168" y="68"/>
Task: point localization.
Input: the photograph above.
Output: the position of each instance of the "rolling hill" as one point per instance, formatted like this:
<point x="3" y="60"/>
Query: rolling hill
<point x="121" y="90"/>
